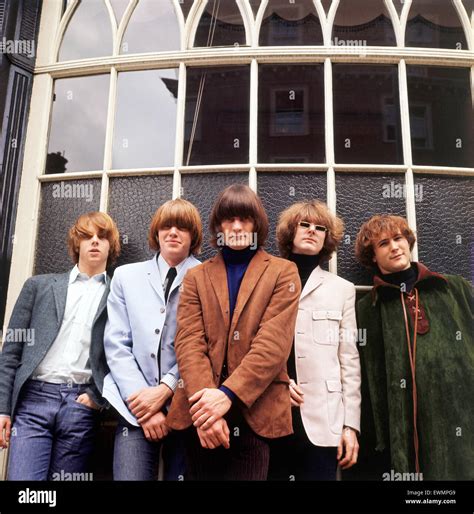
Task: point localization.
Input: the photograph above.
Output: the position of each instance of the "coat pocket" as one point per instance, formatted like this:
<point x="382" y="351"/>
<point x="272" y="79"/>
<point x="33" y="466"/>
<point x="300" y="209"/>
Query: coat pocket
<point x="335" y="406"/>
<point x="326" y="327"/>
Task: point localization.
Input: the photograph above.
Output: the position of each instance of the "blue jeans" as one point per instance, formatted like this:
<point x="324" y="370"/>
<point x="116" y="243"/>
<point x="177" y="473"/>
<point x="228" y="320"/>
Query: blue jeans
<point x="136" y="458"/>
<point x="52" y="434"/>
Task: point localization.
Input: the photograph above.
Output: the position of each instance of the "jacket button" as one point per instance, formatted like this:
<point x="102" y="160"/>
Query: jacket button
<point x="153" y="356"/>
<point x="162" y="310"/>
<point x="157" y="330"/>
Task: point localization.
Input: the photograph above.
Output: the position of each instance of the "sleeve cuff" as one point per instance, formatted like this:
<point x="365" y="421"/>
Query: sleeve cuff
<point x="230" y="394"/>
<point x="170" y="381"/>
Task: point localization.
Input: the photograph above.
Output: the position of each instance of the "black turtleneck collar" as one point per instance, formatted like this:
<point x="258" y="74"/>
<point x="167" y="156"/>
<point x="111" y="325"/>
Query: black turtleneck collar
<point x="305" y="264"/>
<point x="407" y="277"/>
<point x="238" y="256"/>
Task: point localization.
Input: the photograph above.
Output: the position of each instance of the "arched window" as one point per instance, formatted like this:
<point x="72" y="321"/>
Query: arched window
<point x="153" y="27"/>
<point x="286" y="23"/>
<point x="88" y="33"/>
<point x="367" y="24"/>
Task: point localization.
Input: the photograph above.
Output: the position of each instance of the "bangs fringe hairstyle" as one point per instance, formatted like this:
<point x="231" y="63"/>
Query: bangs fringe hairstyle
<point x="84" y="228"/>
<point x="240" y="201"/>
<point x="370" y="233"/>
<point x="177" y="213"/>
<point x="313" y="211"/>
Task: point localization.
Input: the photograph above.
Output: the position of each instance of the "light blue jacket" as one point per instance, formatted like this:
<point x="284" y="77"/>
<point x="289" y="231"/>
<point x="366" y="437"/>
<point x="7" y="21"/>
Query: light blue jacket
<point x="140" y="330"/>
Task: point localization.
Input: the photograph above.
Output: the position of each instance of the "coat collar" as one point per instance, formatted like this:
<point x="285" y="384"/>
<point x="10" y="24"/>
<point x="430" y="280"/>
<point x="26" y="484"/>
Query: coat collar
<point x="424" y="275"/>
<point x="217" y="275"/>
<point x="314" y="281"/>
<point x="155" y="279"/>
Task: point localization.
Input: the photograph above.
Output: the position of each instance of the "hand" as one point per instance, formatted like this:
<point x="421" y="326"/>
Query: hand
<point x="86" y="400"/>
<point x="217" y="435"/>
<point x="209" y="406"/>
<point x="296" y="394"/>
<point x="148" y="401"/>
<point x="349" y="446"/>
<point x="5" y="426"/>
<point x="155" y="428"/>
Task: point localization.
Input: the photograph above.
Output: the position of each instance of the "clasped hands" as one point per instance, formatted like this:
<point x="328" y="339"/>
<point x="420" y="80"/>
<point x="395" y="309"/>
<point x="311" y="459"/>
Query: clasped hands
<point x="146" y="405"/>
<point x="208" y="406"/>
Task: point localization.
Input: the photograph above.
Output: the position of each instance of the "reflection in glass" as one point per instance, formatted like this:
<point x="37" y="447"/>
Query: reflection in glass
<point x="185" y="6"/>
<point x="221" y="24"/>
<point x="363" y="23"/>
<point x="217" y="115"/>
<point x="153" y="27"/>
<point x="291" y="113"/>
<point x="441" y="116"/>
<point x="145" y="120"/>
<point x="78" y="122"/>
<point x="290" y="23"/>
<point x="255" y="4"/>
<point x="88" y="33"/>
<point x="434" y="24"/>
<point x="119" y="7"/>
<point x="367" y="114"/>
<point x="399" y="5"/>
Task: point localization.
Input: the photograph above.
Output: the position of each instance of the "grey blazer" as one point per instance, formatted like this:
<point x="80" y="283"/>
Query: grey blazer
<point x="34" y="325"/>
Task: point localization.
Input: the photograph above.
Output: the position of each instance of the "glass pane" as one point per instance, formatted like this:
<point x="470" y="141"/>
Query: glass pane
<point x="255" y="5"/>
<point x="78" y="122"/>
<point x="61" y="204"/>
<point x="153" y="27"/>
<point x="469" y="6"/>
<point x="202" y="190"/>
<point x="119" y="7"/>
<point x="145" y="121"/>
<point x="291" y="113"/>
<point x="367" y="114"/>
<point x="445" y="242"/>
<point x="363" y="23"/>
<point x="435" y="24"/>
<point x="221" y="24"/>
<point x="399" y="5"/>
<point x="327" y="5"/>
<point x="280" y="190"/>
<point x="132" y="203"/>
<point x="290" y="23"/>
<point x="441" y="116"/>
<point x="88" y="34"/>
<point x="217" y="115"/>
<point x="185" y="6"/>
<point x="360" y="196"/>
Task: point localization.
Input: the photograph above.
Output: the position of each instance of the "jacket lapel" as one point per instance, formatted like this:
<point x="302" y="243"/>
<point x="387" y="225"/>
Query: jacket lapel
<point x="314" y="281"/>
<point x="188" y="263"/>
<point x="60" y="286"/>
<point x="103" y="301"/>
<point x="154" y="278"/>
<point x="217" y="275"/>
<point x="257" y="266"/>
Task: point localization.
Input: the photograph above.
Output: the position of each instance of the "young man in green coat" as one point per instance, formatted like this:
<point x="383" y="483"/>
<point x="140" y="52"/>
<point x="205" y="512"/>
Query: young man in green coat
<point x="418" y="358"/>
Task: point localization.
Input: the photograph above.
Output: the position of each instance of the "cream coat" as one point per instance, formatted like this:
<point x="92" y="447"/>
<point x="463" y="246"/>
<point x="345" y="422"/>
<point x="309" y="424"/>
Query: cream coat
<point x="327" y="359"/>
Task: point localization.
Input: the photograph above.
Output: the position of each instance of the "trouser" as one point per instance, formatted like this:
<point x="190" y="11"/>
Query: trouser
<point x="52" y="434"/>
<point x="246" y="459"/>
<point x="136" y="458"/>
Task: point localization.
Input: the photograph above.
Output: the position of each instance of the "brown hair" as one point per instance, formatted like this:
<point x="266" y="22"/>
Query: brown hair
<point x="370" y="232"/>
<point x="239" y="200"/>
<point x="103" y="224"/>
<point x="313" y="211"/>
<point x="179" y="213"/>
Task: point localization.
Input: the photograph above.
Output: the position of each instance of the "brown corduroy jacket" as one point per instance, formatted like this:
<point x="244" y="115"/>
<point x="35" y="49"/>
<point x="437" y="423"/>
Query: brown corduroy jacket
<point x="258" y="340"/>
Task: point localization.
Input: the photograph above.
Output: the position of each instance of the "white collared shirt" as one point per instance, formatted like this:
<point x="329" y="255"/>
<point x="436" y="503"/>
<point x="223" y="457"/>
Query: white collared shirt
<point x="68" y="358"/>
<point x="163" y="268"/>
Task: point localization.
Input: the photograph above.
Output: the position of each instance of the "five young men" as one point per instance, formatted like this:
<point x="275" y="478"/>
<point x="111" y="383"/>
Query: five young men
<point x="195" y="355"/>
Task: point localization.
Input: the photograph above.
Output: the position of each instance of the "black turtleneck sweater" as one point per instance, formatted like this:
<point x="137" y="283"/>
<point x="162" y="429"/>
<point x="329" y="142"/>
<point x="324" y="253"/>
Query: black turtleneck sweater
<point x="305" y="265"/>
<point x="406" y="277"/>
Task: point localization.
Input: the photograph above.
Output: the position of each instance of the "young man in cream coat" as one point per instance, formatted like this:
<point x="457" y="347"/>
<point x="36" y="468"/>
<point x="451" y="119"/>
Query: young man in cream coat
<point x="139" y="345"/>
<point x="323" y="366"/>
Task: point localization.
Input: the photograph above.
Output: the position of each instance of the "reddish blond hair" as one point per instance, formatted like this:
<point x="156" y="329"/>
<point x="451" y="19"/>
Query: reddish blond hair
<point x="370" y="232"/>
<point x="84" y="228"/>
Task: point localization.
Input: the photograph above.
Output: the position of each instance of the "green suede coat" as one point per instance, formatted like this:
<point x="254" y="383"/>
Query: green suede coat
<point x="444" y="376"/>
